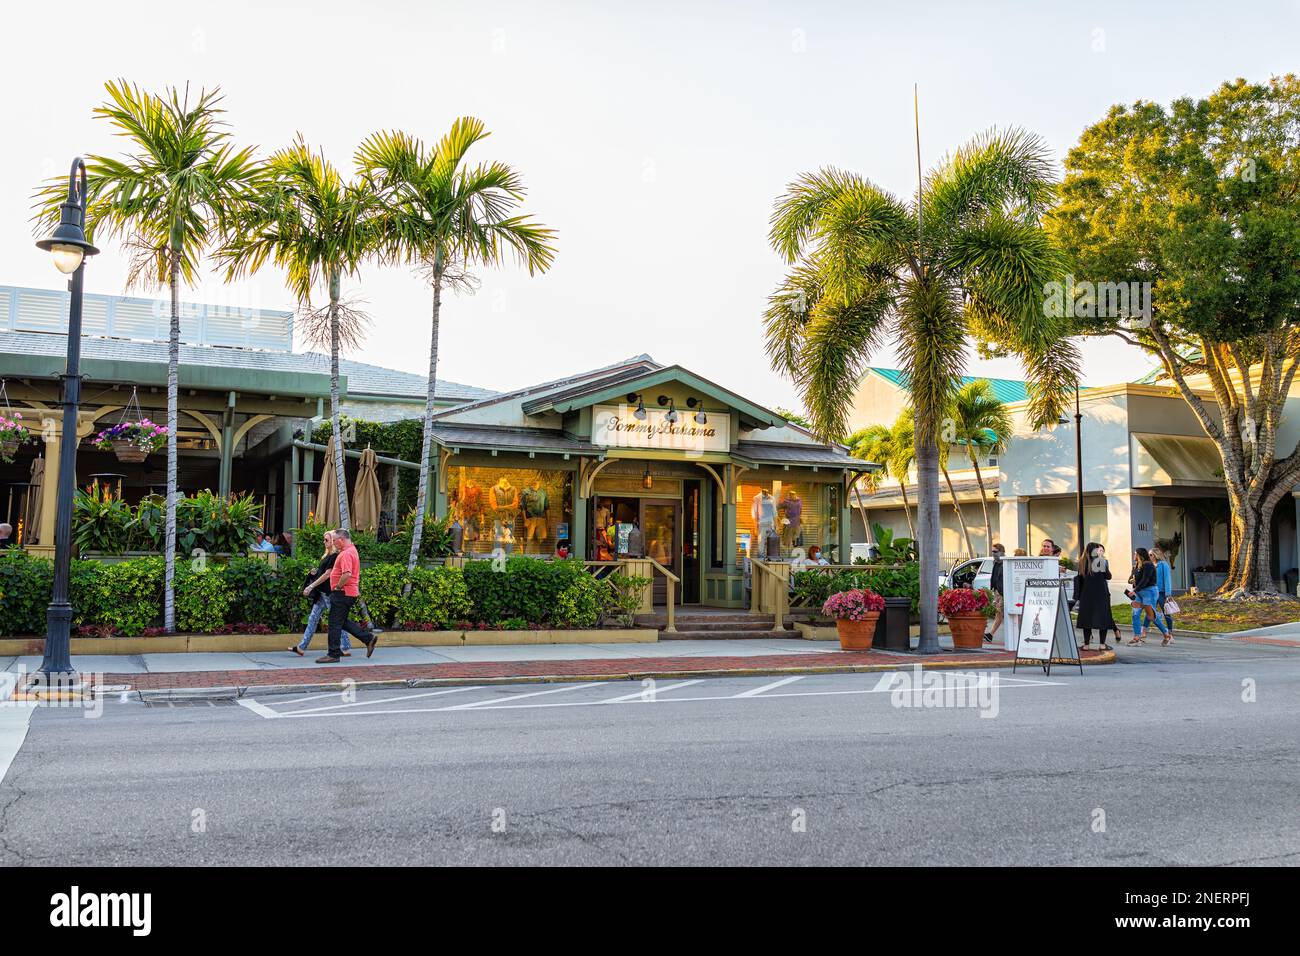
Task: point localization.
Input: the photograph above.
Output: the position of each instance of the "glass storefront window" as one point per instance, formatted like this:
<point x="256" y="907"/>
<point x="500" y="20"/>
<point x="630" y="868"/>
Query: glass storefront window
<point x="519" y="510"/>
<point x="799" y="513"/>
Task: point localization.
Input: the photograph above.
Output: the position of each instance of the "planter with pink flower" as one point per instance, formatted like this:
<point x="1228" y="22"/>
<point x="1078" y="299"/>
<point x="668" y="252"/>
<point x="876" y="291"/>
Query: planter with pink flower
<point x="855" y="612"/>
<point x="967" y="611"/>
<point x="132" y="441"/>
<point x="13" y="434"/>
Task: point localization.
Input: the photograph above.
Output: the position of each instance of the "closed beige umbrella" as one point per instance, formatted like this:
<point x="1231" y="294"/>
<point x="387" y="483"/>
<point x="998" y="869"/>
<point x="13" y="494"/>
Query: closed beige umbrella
<point x="365" y="494"/>
<point x="35" y="492"/>
<point x="327" y="497"/>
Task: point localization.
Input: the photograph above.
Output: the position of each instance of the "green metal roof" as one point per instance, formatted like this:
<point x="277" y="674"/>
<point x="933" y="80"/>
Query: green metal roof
<point x="1004" y="389"/>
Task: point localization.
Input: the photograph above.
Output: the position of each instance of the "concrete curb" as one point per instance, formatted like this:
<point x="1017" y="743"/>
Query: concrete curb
<point x="252" y="691"/>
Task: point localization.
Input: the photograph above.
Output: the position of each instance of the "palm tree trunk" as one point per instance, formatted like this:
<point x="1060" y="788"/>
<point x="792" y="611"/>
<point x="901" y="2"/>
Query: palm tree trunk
<point x="340" y="474"/>
<point x="855" y="489"/>
<point x="426" y="446"/>
<point x="928" y="537"/>
<point x="961" y="518"/>
<point x="173" y="398"/>
<point x="907" y="508"/>
<point x="984" y="501"/>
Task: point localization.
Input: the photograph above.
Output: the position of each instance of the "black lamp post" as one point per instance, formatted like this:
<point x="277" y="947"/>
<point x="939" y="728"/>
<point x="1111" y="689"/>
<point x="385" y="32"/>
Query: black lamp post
<point x="1078" y="471"/>
<point x="70" y="249"/>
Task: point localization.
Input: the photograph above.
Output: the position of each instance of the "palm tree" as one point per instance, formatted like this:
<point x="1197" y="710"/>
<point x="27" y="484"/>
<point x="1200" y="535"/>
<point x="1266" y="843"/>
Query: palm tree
<point x="966" y="256"/>
<point x="168" y="201"/>
<point x="980" y="420"/>
<point x="900" y="458"/>
<point x="318" y="228"/>
<point x="945" y="451"/>
<point x="870" y="444"/>
<point x="448" y="217"/>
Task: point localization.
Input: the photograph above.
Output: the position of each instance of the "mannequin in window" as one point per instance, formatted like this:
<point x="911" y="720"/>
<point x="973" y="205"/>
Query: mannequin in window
<point x="471" y="508"/>
<point x="504" y="499"/>
<point x="763" y="511"/>
<point x="535" y="501"/>
<point x="791" y="519"/>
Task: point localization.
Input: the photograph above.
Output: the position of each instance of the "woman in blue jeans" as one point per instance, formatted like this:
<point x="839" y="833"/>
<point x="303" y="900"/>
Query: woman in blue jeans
<point x="1164" y="585"/>
<point x="1145" y="595"/>
<point x="318" y="590"/>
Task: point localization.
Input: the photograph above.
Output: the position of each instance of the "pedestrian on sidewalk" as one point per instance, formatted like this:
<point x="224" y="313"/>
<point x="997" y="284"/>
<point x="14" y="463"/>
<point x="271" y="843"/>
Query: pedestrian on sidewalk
<point x="996" y="585"/>
<point x="1165" y="589"/>
<point x="318" y="591"/>
<point x="1092" y="589"/>
<point x="345" y="581"/>
<point x="1143" y="597"/>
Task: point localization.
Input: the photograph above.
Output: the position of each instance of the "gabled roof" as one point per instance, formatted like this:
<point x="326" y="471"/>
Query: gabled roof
<point x="617" y="386"/>
<point x="366" y="379"/>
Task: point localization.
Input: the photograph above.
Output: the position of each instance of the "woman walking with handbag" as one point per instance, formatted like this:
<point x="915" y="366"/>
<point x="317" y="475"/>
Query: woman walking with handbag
<point x="1165" y="604"/>
<point x="1144" y="597"/>
<point x="318" y="591"/>
<point x="1092" y="588"/>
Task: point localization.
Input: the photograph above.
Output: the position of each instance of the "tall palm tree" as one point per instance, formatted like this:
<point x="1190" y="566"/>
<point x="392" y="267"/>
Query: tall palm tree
<point x="966" y="256"/>
<point x="168" y="201"/>
<point x="319" y="229"/>
<point x="980" y="420"/>
<point x="448" y="217"/>
<point x="871" y="444"/>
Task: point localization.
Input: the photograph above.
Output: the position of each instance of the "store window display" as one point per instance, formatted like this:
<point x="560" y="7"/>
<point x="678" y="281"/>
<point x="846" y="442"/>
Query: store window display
<point x="510" y="508"/>
<point x="780" y="517"/>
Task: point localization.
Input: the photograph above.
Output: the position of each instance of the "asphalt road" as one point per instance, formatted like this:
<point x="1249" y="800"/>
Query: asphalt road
<point x="1155" y="761"/>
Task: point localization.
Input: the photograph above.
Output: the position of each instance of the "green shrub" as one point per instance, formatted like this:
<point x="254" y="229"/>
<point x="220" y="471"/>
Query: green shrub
<point x="381" y="587"/>
<point x="625" y="595"/>
<point x="439" y="596"/>
<point x="203" y="599"/>
<point x="582" y="602"/>
<point x="261" y="594"/>
<point x="520" y="587"/>
<point x="25" y="587"/>
<point x="101" y="520"/>
<point x="127" y="597"/>
<point x="813" y="587"/>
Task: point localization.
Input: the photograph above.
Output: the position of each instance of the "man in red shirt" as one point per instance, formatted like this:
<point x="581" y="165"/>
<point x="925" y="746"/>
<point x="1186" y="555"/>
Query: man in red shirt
<point x="345" y="580"/>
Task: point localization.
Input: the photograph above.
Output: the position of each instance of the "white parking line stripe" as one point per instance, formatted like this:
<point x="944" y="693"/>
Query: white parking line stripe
<point x="754" y="692"/>
<point x="385" y="700"/>
<point x="536" y="693"/>
<point x="304" y="700"/>
<point x="258" y="708"/>
<point x="650" y="693"/>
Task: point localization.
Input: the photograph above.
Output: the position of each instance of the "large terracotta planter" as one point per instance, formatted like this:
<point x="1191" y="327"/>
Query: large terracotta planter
<point x="857" y="635"/>
<point x="967" y="630"/>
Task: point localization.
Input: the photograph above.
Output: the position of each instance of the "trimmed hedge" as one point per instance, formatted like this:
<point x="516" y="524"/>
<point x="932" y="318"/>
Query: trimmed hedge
<point x="250" y="595"/>
<point x="903" y="580"/>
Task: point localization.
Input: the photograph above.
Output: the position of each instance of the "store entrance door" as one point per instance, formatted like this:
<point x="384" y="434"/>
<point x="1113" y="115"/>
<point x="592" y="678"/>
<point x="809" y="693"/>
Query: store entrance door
<point x="661" y="528"/>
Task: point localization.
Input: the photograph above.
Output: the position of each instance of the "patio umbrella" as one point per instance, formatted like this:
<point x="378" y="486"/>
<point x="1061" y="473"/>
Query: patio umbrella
<point x="365" y="494"/>
<point x="32" y="520"/>
<point x="327" y="498"/>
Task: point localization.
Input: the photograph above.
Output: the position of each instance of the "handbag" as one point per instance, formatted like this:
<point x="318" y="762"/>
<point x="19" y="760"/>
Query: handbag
<point x="1171" y="607"/>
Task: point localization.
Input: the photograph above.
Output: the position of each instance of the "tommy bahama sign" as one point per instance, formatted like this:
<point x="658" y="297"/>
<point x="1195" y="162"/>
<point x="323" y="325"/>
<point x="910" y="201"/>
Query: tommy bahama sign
<point x="617" y="426"/>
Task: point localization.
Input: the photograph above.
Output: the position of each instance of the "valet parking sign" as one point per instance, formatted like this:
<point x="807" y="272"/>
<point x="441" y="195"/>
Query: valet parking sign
<point x="1046" y="631"/>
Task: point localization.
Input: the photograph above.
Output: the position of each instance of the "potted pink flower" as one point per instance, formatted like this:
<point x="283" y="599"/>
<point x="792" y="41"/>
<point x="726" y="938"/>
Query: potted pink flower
<point x="12" y="434"/>
<point x="132" y="441"/>
<point x="967" y="610"/>
<point x="855" y="612"/>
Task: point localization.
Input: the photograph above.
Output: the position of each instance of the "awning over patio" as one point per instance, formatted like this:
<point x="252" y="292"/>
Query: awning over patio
<point x="1164" y="460"/>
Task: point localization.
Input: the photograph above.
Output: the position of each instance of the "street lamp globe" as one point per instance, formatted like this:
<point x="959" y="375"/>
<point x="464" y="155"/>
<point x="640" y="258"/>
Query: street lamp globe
<point x="67" y="243"/>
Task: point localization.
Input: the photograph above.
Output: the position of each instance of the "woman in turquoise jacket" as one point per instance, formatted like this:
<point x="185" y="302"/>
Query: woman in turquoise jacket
<point x="1165" y="587"/>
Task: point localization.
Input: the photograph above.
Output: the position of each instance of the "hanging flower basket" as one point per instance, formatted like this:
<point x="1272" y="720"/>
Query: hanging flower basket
<point x="132" y="441"/>
<point x="13" y="435"/>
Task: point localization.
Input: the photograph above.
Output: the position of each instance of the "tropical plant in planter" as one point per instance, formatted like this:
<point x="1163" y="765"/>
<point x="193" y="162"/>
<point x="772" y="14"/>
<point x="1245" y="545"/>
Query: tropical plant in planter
<point x="13" y="433"/>
<point x="967" y="610"/>
<point x="856" y="612"/>
<point x="132" y="441"/>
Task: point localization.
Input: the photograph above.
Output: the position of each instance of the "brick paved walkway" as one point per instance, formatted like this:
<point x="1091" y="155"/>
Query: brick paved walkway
<point x="598" y="669"/>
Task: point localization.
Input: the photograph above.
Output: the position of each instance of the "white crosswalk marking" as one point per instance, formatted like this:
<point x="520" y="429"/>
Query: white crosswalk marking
<point x="506" y="700"/>
<point x="754" y="692"/>
<point x="650" y="693"/>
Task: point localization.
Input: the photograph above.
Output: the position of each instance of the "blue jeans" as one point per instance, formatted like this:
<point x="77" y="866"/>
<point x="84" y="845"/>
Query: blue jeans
<point x="1160" y="609"/>
<point x="318" y="610"/>
<point x="1147" y="596"/>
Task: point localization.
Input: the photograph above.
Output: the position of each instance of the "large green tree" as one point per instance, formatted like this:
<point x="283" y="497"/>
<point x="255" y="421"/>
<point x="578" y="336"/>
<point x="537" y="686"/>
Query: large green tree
<point x="1198" y="206"/>
<point x="319" y="228"/>
<point x="966" y="257"/>
<point x="448" y="217"/>
<point x="168" y="200"/>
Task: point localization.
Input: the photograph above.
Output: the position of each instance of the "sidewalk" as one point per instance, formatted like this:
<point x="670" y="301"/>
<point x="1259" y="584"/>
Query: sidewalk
<point x="267" y="672"/>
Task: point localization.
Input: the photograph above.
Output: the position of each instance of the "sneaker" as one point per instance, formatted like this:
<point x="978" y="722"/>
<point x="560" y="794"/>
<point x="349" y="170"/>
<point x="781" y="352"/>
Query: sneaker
<point x="327" y="660"/>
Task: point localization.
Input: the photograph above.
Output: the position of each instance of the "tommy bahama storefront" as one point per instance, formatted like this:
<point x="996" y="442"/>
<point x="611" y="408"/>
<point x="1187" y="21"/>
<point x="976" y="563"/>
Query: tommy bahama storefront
<point x="642" y="461"/>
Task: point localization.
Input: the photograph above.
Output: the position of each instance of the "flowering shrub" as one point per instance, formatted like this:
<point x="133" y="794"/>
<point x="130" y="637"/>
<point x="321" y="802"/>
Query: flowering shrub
<point x="142" y="434"/>
<point x="853" y="605"/>
<point x="966" y="601"/>
<point x="12" y="430"/>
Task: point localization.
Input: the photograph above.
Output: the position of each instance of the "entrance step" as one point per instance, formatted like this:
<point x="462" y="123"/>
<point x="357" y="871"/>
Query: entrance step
<point x="690" y="635"/>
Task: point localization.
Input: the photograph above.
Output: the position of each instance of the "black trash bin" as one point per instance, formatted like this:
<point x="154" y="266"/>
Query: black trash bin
<point x="893" y="629"/>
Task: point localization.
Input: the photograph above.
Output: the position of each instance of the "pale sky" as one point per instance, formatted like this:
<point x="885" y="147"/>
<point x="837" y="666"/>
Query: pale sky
<point x="654" y="137"/>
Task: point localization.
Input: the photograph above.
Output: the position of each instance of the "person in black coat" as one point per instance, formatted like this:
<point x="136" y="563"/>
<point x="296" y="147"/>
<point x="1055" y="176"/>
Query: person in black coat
<point x="1092" y="593"/>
